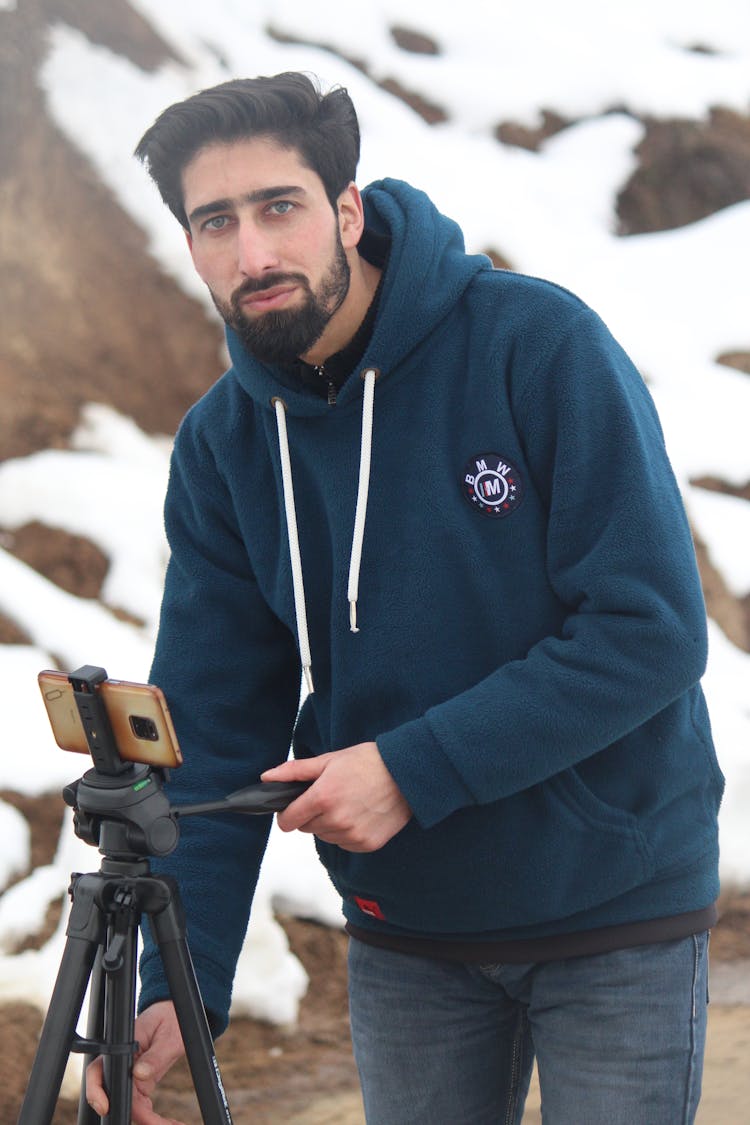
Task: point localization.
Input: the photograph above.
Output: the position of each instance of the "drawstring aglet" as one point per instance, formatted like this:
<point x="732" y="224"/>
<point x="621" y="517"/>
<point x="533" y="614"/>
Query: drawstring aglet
<point x="307" y="673"/>
<point x="353" y="617"/>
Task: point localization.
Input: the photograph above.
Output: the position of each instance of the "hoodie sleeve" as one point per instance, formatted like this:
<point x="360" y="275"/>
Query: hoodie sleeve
<point x="619" y="556"/>
<point x="230" y="672"/>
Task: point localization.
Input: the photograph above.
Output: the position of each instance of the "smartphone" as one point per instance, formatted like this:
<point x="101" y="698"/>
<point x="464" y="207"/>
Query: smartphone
<point x="138" y="714"/>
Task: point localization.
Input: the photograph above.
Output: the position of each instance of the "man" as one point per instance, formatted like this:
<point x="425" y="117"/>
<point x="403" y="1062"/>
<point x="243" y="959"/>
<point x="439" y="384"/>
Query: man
<point x="441" y="493"/>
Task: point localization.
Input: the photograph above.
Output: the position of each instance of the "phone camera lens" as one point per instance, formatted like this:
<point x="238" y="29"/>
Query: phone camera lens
<point x="144" y="728"/>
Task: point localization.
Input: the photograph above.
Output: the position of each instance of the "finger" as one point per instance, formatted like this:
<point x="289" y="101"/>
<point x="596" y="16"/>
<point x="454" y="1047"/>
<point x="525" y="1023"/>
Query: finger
<point x="302" y="813"/>
<point x="306" y="769"/>
<point x="305" y="807"/>
<point x="350" y="839"/>
<point x="161" y="1045"/>
<point x="143" y="1113"/>
<point x="95" y="1094"/>
<point x="145" y="1082"/>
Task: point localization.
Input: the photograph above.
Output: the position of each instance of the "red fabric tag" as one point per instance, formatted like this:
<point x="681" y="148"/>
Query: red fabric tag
<point x="370" y="907"/>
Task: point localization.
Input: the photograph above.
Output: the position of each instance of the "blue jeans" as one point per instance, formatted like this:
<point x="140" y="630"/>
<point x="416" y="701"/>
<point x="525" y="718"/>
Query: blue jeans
<point x="618" y="1037"/>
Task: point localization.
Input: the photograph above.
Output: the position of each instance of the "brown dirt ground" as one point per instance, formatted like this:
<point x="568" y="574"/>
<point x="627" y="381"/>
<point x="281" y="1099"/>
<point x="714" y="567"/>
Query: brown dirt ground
<point x="305" y="1075"/>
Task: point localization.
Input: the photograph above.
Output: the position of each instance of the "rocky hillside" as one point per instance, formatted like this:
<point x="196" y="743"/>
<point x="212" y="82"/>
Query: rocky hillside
<point x="88" y="315"/>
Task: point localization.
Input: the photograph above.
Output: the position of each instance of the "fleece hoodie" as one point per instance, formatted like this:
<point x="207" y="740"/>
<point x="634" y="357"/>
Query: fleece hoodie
<point x="531" y="629"/>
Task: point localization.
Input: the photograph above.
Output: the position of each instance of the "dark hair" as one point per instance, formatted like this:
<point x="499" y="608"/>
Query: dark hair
<point x="288" y="107"/>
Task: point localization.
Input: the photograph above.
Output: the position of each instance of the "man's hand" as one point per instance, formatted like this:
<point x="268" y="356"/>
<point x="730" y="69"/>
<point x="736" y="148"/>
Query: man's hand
<point x="158" y="1035"/>
<point x="354" y="803"/>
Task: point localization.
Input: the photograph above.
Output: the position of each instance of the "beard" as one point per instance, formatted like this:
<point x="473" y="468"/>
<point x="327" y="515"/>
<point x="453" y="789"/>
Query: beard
<point x="282" y="335"/>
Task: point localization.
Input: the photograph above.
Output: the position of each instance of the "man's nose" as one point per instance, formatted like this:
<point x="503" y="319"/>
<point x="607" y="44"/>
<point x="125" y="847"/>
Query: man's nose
<point x="256" y="253"/>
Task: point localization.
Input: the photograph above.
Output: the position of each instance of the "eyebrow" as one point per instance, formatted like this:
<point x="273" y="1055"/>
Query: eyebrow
<point x="262" y="195"/>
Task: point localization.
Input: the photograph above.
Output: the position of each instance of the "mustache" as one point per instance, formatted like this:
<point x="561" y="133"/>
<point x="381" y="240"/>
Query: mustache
<point x="269" y="281"/>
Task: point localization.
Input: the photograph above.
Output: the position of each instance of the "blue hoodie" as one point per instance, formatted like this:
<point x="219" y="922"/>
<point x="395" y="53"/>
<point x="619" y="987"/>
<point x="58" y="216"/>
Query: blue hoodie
<point x="531" y="623"/>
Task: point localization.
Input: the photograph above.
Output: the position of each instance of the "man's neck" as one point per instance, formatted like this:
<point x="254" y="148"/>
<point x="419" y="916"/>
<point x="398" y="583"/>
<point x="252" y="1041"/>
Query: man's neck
<point x="346" y="320"/>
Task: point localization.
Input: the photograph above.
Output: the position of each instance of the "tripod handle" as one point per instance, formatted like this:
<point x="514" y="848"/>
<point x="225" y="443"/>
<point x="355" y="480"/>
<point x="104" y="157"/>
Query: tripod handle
<point x="265" y="797"/>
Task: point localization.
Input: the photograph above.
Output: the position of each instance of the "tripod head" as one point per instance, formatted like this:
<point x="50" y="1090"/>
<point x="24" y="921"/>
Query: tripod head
<point x="121" y="807"/>
<point x="129" y="816"/>
<point x="125" y="816"/>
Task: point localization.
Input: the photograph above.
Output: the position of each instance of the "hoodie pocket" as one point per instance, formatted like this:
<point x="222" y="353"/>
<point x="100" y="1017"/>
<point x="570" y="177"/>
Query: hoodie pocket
<point x="580" y="853"/>
<point x="538" y="857"/>
<point x="594" y="813"/>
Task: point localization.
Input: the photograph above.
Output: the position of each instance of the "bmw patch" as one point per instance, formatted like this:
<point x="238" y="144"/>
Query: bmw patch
<point x="492" y="485"/>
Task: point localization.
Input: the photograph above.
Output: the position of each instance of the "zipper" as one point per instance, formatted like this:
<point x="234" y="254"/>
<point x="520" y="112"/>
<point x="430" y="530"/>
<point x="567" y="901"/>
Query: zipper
<point x="321" y="372"/>
<point x="515" y="1070"/>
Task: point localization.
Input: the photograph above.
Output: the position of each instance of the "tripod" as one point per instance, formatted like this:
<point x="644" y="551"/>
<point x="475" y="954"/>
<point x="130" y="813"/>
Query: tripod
<point x="127" y="814"/>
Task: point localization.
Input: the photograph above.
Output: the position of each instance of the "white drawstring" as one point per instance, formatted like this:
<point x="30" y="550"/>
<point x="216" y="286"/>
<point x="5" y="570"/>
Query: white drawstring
<point x="360" y="514"/>
<point x="294" y="551"/>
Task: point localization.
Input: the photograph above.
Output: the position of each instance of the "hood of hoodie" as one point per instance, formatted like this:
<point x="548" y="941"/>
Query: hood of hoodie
<point x="427" y="270"/>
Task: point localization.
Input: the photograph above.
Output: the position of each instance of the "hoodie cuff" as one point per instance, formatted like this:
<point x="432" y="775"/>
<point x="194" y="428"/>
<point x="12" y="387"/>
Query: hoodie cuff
<point x="429" y="781"/>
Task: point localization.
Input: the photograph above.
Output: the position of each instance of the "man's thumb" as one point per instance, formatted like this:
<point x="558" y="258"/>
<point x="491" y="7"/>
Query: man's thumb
<point x="143" y="1070"/>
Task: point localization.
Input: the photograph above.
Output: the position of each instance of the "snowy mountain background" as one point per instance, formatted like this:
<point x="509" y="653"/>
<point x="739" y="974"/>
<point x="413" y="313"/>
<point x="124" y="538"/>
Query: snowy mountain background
<point x="606" y="147"/>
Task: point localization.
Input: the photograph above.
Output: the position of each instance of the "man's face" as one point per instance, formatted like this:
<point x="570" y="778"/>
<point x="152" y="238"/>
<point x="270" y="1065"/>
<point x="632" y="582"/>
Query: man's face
<point x="267" y="243"/>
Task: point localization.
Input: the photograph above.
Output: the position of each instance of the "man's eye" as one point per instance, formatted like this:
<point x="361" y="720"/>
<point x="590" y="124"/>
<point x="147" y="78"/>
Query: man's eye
<point x="218" y="222"/>
<point x="282" y="207"/>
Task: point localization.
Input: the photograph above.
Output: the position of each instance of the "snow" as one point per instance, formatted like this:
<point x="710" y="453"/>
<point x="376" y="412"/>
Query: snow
<point x="16" y="837"/>
<point x="677" y="300"/>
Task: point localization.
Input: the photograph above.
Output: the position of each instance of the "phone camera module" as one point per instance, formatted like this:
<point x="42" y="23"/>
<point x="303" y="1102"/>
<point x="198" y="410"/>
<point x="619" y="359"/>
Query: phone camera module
<point x="144" y="728"/>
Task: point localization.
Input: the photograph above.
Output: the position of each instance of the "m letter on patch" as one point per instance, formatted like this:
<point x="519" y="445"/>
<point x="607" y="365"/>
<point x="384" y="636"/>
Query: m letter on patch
<point x="492" y="485"/>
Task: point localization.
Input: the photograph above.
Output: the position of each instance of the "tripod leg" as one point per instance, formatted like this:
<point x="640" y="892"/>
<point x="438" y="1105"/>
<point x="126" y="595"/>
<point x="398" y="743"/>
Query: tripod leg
<point x="84" y="935"/>
<point x="119" y="965"/>
<point x="168" y="927"/>
<point x="95" y="1033"/>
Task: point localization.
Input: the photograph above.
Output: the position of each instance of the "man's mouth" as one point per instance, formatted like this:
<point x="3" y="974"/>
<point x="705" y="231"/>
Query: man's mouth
<point x="265" y="300"/>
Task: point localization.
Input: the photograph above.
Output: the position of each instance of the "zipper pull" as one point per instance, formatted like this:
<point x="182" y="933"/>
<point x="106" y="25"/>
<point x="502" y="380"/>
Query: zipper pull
<point x="332" y="393"/>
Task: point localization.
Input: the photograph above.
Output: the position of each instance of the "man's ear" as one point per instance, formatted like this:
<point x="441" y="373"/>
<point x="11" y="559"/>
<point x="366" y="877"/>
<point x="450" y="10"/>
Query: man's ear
<point x="351" y="216"/>
<point x="188" y="239"/>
